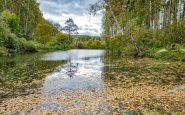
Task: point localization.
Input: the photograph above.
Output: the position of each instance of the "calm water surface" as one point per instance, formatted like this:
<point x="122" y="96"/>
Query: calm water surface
<point x="83" y="70"/>
<point x="90" y="82"/>
<point x="62" y="69"/>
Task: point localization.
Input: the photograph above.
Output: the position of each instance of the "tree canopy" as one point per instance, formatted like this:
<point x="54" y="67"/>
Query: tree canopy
<point x="71" y="27"/>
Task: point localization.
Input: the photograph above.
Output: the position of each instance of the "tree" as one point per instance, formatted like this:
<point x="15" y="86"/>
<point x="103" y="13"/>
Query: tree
<point x="12" y="20"/>
<point x="43" y="32"/>
<point x="29" y="13"/>
<point x="95" y="7"/>
<point x="71" y="27"/>
<point x="62" y="40"/>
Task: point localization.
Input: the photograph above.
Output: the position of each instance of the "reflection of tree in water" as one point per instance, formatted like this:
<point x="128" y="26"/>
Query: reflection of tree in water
<point x="71" y="68"/>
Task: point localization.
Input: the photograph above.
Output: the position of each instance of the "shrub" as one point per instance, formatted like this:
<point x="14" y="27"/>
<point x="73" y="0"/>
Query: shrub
<point x="4" y="32"/>
<point x="63" y="40"/>
<point x="11" y="41"/>
<point x="175" y="33"/>
<point x="51" y="45"/>
<point x="25" y="46"/>
<point x="30" y="46"/>
<point x="171" y="55"/>
<point x="174" y="47"/>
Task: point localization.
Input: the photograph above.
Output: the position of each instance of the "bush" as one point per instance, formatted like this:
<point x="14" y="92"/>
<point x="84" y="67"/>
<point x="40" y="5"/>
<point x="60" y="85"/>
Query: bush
<point x="30" y="46"/>
<point x="175" y="33"/>
<point x="171" y="55"/>
<point x="51" y="45"/>
<point x="175" y="47"/>
<point x="11" y="42"/>
<point x="89" y="44"/>
<point x="4" y="32"/>
<point x="25" y="46"/>
<point x="63" y="40"/>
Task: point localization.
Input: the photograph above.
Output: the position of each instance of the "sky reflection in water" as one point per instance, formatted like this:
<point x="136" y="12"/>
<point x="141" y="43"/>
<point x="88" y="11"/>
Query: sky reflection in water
<point x="83" y="70"/>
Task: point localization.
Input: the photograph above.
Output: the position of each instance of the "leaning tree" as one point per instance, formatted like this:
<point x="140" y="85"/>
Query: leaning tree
<point x="106" y="3"/>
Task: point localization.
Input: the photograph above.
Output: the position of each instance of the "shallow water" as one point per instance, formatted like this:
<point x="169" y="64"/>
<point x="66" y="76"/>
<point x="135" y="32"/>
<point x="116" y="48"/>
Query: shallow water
<point x="82" y="71"/>
<point x="88" y="82"/>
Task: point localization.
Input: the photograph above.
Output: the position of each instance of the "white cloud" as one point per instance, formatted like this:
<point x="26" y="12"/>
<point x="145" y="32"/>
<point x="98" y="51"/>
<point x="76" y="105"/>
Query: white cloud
<point x="60" y="10"/>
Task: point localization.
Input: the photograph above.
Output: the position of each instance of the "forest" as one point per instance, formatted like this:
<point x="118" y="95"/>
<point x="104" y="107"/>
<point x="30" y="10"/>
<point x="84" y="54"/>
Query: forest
<point x="153" y="28"/>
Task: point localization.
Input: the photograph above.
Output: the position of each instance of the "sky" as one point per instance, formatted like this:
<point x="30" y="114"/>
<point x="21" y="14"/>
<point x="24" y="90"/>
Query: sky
<point x="61" y="10"/>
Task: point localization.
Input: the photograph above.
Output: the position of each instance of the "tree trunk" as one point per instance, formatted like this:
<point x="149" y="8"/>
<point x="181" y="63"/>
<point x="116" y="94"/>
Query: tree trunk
<point x="115" y="19"/>
<point x="135" y="44"/>
<point x="121" y="29"/>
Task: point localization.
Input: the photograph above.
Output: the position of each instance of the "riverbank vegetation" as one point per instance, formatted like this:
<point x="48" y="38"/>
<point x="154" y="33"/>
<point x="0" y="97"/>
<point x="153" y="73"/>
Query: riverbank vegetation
<point x="144" y="28"/>
<point x="24" y="30"/>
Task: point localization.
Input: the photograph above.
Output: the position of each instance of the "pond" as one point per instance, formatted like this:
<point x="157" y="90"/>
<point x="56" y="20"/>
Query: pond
<point x="90" y="82"/>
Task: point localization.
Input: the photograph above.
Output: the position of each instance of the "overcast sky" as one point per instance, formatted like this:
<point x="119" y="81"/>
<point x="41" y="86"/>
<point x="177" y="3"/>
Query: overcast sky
<point x="60" y="10"/>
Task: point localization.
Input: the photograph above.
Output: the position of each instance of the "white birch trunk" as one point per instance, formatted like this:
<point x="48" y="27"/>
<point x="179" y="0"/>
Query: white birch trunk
<point x="115" y="19"/>
<point x="180" y="9"/>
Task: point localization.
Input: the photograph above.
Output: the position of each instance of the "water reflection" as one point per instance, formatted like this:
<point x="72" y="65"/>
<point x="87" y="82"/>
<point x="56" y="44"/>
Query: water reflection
<point x="72" y="54"/>
<point x="17" y="73"/>
<point x="83" y="70"/>
<point x="80" y="82"/>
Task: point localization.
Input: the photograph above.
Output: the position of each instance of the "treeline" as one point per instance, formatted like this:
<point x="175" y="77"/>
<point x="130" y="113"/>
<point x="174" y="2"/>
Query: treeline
<point x="142" y="27"/>
<point x="88" y="42"/>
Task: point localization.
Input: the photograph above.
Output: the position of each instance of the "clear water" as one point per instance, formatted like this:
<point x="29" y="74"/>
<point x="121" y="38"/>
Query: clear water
<point x="82" y="71"/>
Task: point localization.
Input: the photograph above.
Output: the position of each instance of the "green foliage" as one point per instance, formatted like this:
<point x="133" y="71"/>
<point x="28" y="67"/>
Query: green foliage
<point x="143" y="28"/>
<point x="175" y="47"/>
<point x="4" y="32"/>
<point x="3" y="51"/>
<point x="115" y="45"/>
<point x="63" y="40"/>
<point x="43" y="32"/>
<point x="175" y="33"/>
<point x="12" y="20"/>
<point x="171" y="55"/>
<point x="150" y="41"/>
<point x="26" y="46"/>
<point x="9" y="41"/>
<point x="51" y="45"/>
<point x="28" y="12"/>
<point x="21" y="22"/>
<point x="89" y="44"/>
<point x="31" y="46"/>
